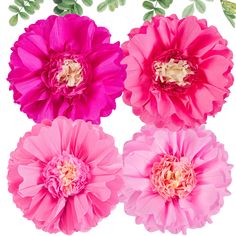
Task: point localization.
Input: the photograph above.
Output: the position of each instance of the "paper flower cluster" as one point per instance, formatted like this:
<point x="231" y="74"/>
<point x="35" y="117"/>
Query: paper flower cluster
<point x="66" y="173"/>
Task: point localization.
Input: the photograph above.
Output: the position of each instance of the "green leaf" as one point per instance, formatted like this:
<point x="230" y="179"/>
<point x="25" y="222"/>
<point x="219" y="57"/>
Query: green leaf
<point x="68" y="2"/>
<point x="13" y="20"/>
<point x="34" y="4"/>
<point x="57" y="11"/>
<point x="200" y="5"/>
<point x="29" y="10"/>
<point x="231" y="18"/>
<point x="14" y="8"/>
<point x="24" y="15"/>
<point x="148" y="15"/>
<point x="163" y="3"/>
<point x="188" y="11"/>
<point x="122" y="2"/>
<point x="19" y="2"/>
<point x="102" y="7"/>
<point x="87" y="3"/>
<point x="148" y="5"/>
<point x="159" y="11"/>
<point x="63" y="6"/>
<point x="78" y="9"/>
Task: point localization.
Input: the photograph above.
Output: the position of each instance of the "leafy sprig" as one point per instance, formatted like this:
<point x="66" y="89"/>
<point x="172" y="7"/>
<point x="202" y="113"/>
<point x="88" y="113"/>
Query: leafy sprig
<point x="110" y="4"/>
<point x="64" y="7"/>
<point x="229" y="9"/>
<point x="198" y="5"/>
<point x="23" y="9"/>
<point x="155" y="7"/>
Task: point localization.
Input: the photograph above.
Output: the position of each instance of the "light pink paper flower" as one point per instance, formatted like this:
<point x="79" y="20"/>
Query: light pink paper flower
<point x="178" y="72"/>
<point x="174" y="180"/>
<point x="66" y="66"/>
<point x="65" y="176"/>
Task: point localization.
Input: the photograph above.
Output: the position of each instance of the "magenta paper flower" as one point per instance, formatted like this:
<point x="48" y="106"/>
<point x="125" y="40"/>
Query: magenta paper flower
<point x="65" y="176"/>
<point x="178" y="72"/>
<point x="66" y="66"/>
<point x="174" y="180"/>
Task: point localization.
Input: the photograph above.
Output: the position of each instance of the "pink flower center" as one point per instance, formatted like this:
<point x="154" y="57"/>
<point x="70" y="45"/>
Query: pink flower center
<point x="71" y="73"/>
<point x="174" y="71"/>
<point x="66" y="175"/>
<point x="173" y="177"/>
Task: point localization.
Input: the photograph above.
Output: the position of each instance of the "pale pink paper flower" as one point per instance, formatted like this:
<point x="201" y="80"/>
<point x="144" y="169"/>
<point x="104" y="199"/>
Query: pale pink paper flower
<point x="174" y="180"/>
<point x="178" y="72"/>
<point x="65" y="175"/>
<point x="66" y="66"/>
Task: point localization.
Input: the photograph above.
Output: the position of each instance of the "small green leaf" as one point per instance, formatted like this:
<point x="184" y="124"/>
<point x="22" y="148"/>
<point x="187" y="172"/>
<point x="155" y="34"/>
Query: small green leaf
<point x="14" y="8"/>
<point x="19" y="2"/>
<point x="231" y="18"/>
<point x="102" y="7"/>
<point x="68" y="2"/>
<point x="148" y="5"/>
<point x="34" y="4"/>
<point x="122" y="2"/>
<point x="78" y="9"/>
<point x="24" y="15"/>
<point x="29" y="10"/>
<point x="188" y="11"/>
<point x="163" y="3"/>
<point x="148" y="15"/>
<point x="200" y="5"/>
<point x="87" y="3"/>
<point x="13" y="20"/>
<point x="57" y="11"/>
<point x="159" y="11"/>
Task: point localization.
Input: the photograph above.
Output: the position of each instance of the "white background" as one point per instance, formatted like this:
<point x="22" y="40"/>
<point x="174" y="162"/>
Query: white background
<point x="121" y="124"/>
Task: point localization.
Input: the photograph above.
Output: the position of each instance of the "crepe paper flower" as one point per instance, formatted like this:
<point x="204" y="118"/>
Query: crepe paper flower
<point x="178" y="72"/>
<point x="65" y="175"/>
<point x="174" y="180"/>
<point x="66" y="66"/>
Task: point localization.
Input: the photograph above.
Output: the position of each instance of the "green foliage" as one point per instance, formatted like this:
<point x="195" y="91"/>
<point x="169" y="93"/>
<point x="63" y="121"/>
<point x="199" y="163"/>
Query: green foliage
<point x="199" y="5"/>
<point x="229" y="9"/>
<point x="23" y="9"/>
<point x="110" y="4"/>
<point x="155" y="7"/>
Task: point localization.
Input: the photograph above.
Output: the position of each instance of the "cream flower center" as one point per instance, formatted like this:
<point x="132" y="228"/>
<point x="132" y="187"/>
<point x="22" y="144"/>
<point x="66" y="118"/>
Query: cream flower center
<point x="71" y="73"/>
<point x="174" y="71"/>
<point x="66" y="175"/>
<point x="173" y="177"/>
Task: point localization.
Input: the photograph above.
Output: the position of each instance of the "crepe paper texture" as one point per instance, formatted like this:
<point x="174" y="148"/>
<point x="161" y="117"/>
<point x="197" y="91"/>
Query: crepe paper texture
<point x="179" y="72"/>
<point x="65" y="175"/>
<point x="66" y="66"/>
<point x="174" y="180"/>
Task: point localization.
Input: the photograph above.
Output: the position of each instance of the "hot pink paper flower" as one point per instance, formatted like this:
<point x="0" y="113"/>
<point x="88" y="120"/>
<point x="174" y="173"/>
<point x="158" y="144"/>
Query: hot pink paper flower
<point x="65" y="176"/>
<point x="174" y="180"/>
<point x="66" y="66"/>
<point x="178" y="72"/>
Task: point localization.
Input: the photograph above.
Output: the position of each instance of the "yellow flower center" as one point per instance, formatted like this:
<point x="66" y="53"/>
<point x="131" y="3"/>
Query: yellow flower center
<point x="68" y="173"/>
<point x="174" y="71"/>
<point x="71" y="73"/>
